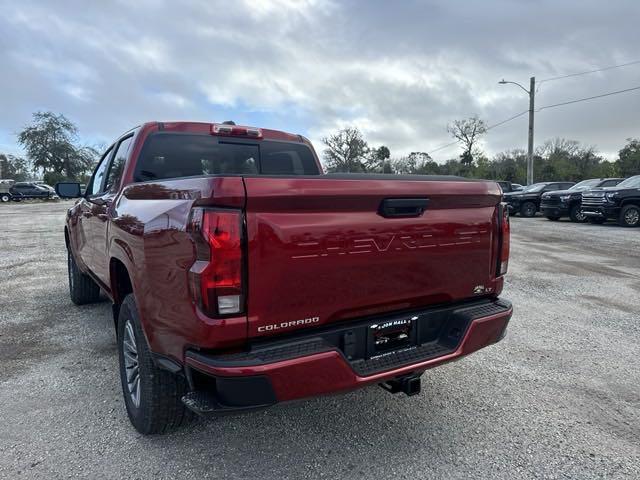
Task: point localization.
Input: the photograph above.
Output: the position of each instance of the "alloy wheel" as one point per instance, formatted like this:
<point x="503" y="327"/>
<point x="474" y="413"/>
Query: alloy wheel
<point x="632" y="216"/>
<point x="131" y="363"/>
<point x="71" y="272"/>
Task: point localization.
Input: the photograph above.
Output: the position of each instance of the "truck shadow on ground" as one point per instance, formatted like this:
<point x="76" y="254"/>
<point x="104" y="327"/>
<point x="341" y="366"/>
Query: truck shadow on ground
<point x="339" y="433"/>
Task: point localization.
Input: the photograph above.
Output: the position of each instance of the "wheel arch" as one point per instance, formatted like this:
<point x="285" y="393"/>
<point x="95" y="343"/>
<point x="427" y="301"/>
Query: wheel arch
<point x="120" y="284"/>
<point x="630" y="201"/>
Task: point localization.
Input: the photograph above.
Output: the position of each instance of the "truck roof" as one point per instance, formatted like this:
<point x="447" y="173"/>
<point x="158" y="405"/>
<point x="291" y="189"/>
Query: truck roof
<point x="210" y="128"/>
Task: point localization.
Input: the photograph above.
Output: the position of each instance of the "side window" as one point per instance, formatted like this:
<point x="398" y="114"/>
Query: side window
<point x="551" y="187"/>
<point x="610" y="183"/>
<point x="117" y="165"/>
<point x="95" y="185"/>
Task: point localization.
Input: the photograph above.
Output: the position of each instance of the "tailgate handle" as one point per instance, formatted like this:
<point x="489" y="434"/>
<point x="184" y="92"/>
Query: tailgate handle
<point x="403" y="207"/>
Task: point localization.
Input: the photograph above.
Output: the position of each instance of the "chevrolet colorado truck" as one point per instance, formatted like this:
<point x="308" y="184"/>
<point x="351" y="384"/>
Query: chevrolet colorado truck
<point x="568" y="203"/>
<point x="241" y="275"/>
<point x="621" y="203"/>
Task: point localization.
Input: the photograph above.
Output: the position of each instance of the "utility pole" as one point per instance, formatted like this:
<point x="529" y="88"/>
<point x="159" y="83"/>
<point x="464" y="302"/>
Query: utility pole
<point x="532" y="96"/>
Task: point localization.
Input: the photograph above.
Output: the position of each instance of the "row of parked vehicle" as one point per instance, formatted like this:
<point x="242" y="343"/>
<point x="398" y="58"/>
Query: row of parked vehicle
<point x="16" y="191"/>
<point x="596" y="200"/>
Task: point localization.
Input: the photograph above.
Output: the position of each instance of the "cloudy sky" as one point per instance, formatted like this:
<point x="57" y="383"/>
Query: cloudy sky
<point x="400" y="71"/>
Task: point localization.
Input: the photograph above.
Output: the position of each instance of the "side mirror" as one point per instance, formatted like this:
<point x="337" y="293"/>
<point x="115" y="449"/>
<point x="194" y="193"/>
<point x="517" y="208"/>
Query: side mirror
<point x="68" y="190"/>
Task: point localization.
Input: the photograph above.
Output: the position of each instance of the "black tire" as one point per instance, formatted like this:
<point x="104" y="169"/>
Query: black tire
<point x="553" y="219"/>
<point x="629" y="216"/>
<point x="82" y="288"/>
<point x="528" y="209"/>
<point x="160" y="408"/>
<point x="5" y="197"/>
<point x="576" y="215"/>
<point x="596" y="220"/>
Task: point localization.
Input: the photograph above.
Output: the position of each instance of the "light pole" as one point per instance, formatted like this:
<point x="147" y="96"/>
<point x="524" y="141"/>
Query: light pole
<point x="532" y="95"/>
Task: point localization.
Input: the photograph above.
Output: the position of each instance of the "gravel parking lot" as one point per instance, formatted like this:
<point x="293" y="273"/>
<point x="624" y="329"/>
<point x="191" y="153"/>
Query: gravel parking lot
<point x="558" y="398"/>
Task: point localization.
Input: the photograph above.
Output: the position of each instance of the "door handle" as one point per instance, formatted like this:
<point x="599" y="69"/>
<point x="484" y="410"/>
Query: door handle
<point x="403" y="207"/>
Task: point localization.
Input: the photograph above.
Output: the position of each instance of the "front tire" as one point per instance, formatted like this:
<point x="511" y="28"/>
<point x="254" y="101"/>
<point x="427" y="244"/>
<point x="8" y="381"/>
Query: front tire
<point x="152" y="396"/>
<point x="630" y="216"/>
<point x="576" y="214"/>
<point x="82" y="288"/>
<point x="528" y="209"/>
<point x="5" y="197"/>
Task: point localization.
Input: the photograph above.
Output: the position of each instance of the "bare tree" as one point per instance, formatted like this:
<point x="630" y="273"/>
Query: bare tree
<point x="467" y="132"/>
<point x="346" y="151"/>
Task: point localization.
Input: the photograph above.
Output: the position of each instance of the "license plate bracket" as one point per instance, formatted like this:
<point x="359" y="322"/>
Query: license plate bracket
<point x="391" y="335"/>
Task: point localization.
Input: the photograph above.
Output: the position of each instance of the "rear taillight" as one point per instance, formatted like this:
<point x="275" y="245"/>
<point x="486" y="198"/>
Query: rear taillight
<point x="505" y="239"/>
<point x="216" y="277"/>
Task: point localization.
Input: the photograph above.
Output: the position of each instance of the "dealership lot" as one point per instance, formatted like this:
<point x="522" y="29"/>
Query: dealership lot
<point x="558" y="398"/>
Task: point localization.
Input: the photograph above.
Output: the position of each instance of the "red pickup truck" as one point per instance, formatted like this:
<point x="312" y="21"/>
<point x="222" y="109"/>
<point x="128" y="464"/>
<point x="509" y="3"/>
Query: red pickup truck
<point x="242" y="276"/>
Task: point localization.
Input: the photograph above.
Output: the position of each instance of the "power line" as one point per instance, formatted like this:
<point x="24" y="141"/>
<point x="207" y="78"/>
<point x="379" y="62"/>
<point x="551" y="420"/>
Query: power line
<point x="589" y="71"/>
<point x="441" y="147"/>
<point x="588" y="98"/>
<point x="507" y="120"/>
<point x="518" y="115"/>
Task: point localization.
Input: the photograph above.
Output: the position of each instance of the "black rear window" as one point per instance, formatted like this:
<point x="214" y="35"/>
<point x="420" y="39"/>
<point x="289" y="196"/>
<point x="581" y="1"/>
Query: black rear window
<point x="170" y="155"/>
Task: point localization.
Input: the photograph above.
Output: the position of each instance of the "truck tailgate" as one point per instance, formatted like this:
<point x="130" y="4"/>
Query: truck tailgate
<point x="320" y="251"/>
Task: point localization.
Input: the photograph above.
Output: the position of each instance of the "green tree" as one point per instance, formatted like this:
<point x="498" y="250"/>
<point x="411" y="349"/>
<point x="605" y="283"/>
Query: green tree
<point x="378" y="160"/>
<point x="16" y="168"/>
<point x="454" y="166"/>
<point x="510" y="165"/>
<point x="565" y="159"/>
<point x="51" y="145"/>
<point x="346" y="151"/>
<point x="482" y="167"/>
<point x="628" y="162"/>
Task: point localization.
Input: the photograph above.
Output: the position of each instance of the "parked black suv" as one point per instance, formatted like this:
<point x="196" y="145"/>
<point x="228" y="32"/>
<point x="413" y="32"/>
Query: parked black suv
<point x="621" y="202"/>
<point x="526" y="202"/>
<point x="563" y="203"/>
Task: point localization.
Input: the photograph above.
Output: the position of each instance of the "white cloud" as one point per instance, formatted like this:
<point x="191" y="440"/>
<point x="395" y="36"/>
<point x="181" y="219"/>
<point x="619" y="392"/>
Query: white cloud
<point x="399" y="71"/>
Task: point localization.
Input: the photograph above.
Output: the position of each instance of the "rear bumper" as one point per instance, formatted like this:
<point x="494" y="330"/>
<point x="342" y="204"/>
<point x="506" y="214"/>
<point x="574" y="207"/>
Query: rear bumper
<point x="341" y="358"/>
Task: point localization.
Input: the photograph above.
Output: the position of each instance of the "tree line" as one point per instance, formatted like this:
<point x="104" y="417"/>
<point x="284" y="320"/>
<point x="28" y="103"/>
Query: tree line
<point x="54" y="153"/>
<point x="556" y="159"/>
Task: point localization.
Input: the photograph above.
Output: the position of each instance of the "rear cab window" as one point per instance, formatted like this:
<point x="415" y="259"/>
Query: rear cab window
<point x="177" y="155"/>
